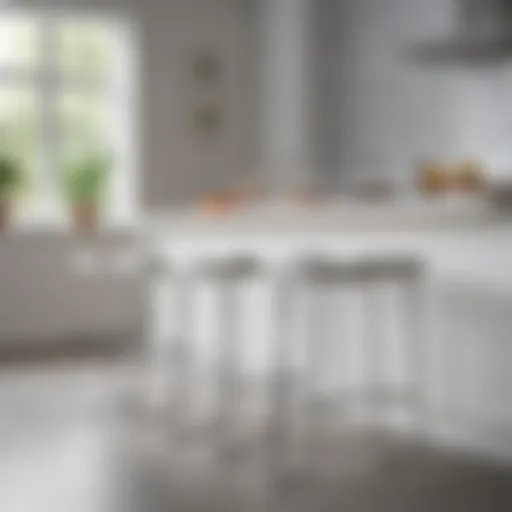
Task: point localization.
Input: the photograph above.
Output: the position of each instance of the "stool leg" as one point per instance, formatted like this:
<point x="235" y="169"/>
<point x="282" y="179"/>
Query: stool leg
<point x="416" y="317"/>
<point x="281" y="388"/>
<point x="153" y="286"/>
<point x="182" y="359"/>
<point x="229" y="381"/>
<point x="317" y="364"/>
<point x="372" y="351"/>
<point x="372" y="358"/>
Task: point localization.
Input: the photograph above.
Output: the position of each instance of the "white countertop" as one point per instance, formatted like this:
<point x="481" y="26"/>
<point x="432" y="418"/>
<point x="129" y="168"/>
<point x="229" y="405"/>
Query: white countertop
<point x="336" y="217"/>
<point x="466" y="240"/>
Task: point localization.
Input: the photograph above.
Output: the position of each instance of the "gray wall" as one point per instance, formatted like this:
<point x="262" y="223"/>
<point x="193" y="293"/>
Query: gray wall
<point x="179" y="164"/>
<point x="42" y="296"/>
<point x="390" y="110"/>
<point x="176" y="164"/>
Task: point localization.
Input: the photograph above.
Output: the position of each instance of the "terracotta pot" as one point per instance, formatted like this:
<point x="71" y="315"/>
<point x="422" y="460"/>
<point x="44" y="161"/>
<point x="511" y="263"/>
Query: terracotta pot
<point x="5" y="215"/>
<point x="85" y="216"/>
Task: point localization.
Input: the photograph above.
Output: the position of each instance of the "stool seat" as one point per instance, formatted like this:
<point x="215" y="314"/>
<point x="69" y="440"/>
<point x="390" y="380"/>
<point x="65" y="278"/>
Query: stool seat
<point x="325" y="271"/>
<point x="230" y="268"/>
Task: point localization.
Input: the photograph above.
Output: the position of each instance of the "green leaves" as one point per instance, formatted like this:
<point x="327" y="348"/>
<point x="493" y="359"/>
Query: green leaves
<point x="85" y="177"/>
<point x="11" y="175"/>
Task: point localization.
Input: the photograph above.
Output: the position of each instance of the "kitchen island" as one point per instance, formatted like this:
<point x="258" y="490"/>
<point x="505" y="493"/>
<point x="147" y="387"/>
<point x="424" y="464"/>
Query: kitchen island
<point x="461" y="239"/>
<point x="467" y="246"/>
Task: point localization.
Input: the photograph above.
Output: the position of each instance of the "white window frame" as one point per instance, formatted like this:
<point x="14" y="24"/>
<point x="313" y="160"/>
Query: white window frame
<point x="44" y="79"/>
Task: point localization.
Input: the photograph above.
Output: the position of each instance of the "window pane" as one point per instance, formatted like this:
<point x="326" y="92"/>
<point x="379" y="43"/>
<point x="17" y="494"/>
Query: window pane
<point x="85" y="128"/>
<point x="19" y="128"/>
<point x="86" y="49"/>
<point x="19" y="124"/>
<point x="84" y="121"/>
<point x="18" y="40"/>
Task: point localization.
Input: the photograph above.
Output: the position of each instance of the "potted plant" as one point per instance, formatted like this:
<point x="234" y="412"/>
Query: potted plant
<point x="85" y="178"/>
<point x="11" y="179"/>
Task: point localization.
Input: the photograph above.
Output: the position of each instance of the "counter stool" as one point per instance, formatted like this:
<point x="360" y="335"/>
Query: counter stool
<point x="227" y="274"/>
<point x="156" y="351"/>
<point x="319" y="273"/>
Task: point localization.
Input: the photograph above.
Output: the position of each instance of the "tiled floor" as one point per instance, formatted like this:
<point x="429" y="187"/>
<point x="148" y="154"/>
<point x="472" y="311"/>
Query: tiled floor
<point x="69" y="443"/>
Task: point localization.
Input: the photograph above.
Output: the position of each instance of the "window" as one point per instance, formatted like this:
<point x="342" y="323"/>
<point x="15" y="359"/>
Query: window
<point x="67" y="84"/>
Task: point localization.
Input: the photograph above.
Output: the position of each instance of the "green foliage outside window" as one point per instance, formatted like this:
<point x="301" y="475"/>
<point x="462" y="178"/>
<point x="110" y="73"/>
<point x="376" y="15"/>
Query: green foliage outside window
<point x="79" y="113"/>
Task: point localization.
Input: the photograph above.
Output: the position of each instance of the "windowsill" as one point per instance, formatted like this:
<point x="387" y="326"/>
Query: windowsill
<point x="65" y="230"/>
